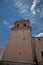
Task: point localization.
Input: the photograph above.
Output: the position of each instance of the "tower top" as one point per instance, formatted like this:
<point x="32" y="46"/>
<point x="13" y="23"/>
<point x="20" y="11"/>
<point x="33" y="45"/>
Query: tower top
<point x="21" y="24"/>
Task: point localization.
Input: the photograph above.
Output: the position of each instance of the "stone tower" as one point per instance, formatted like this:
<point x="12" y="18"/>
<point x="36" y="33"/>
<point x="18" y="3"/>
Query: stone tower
<point x="19" y="46"/>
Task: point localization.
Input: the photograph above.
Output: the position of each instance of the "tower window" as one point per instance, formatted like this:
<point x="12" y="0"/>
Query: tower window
<point x="20" y="53"/>
<point x="17" y="25"/>
<point x="23" y="31"/>
<point x="42" y="54"/>
<point x="24" y="38"/>
<point x="39" y="39"/>
<point x="24" y="24"/>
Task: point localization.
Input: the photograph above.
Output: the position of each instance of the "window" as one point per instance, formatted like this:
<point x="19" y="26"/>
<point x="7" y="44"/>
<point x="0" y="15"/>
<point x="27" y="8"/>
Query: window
<point x="17" y="25"/>
<point x="24" y="24"/>
<point x="20" y="53"/>
<point x="42" y="54"/>
<point x="23" y="31"/>
<point x="39" y="39"/>
<point x="24" y="38"/>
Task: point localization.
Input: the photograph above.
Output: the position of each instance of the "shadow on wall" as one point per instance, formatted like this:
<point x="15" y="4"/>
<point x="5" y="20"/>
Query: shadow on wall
<point x="15" y="63"/>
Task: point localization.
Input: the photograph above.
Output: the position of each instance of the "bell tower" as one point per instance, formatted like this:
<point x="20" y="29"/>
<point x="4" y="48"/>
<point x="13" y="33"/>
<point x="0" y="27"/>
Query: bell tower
<point x="19" y="46"/>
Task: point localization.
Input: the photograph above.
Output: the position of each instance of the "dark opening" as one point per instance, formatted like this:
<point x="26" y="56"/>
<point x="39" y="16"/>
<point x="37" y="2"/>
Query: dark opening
<point x="23" y="31"/>
<point x="24" y="24"/>
<point x="20" y="53"/>
<point x="24" y="38"/>
<point x="39" y="39"/>
<point x="18" y="25"/>
<point x="42" y="54"/>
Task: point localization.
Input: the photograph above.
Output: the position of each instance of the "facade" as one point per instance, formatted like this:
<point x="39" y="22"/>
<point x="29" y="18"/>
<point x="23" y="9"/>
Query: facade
<point x="22" y="47"/>
<point x="38" y="49"/>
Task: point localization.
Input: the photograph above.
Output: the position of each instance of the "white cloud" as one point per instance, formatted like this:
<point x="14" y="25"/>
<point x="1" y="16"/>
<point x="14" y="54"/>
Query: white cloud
<point x="10" y="26"/>
<point x="39" y="35"/>
<point x="22" y="8"/>
<point x="40" y="11"/>
<point x="7" y="24"/>
<point x="33" y="6"/>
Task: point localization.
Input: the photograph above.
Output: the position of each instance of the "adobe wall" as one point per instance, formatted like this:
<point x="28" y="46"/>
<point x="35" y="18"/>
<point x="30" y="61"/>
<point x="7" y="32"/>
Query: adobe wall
<point x="19" y="46"/>
<point x="38" y="48"/>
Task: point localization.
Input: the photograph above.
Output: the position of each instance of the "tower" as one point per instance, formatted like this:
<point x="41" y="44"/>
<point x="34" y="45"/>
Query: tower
<point x="19" y="46"/>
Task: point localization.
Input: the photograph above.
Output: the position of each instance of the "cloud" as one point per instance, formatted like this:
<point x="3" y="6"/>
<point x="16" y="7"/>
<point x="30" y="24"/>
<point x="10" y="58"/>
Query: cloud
<point x="7" y="24"/>
<point x="33" y="6"/>
<point x="39" y="35"/>
<point x="23" y="8"/>
<point x="40" y="11"/>
<point x="10" y="26"/>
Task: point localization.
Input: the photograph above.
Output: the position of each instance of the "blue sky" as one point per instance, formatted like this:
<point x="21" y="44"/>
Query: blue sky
<point x="12" y="10"/>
